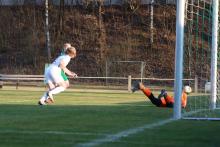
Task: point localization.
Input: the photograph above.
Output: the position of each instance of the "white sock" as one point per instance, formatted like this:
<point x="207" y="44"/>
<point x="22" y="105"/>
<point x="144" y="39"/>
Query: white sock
<point x="43" y="98"/>
<point x="57" y="90"/>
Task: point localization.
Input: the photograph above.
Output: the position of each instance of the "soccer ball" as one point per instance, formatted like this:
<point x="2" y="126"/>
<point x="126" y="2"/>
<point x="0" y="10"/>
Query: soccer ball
<point x="187" y="89"/>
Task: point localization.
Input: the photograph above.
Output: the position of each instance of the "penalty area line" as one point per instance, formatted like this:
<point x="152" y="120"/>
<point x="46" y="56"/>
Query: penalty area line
<point x="125" y="133"/>
<point x="52" y="132"/>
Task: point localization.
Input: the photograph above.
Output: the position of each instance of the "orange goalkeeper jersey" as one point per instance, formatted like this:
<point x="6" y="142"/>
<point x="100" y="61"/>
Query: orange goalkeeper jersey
<point x="170" y="100"/>
<point x="184" y="99"/>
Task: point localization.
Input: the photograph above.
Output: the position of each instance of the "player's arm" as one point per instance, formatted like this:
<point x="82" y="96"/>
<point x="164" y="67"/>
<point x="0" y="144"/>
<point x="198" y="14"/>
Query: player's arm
<point x="184" y="99"/>
<point x="66" y="70"/>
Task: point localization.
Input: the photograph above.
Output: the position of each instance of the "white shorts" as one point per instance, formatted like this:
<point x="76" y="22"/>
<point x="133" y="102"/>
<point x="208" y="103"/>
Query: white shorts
<point x="53" y="75"/>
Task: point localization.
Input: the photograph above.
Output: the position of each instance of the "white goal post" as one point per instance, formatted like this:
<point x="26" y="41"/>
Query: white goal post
<point x="179" y="57"/>
<point x="198" y="10"/>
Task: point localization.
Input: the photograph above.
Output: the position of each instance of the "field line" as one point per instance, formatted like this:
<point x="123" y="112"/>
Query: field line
<point x="125" y="133"/>
<point x="53" y="132"/>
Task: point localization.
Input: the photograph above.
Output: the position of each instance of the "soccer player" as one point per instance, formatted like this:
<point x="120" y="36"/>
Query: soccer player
<point x="163" y="100"/>
<point x="54" y="80"/>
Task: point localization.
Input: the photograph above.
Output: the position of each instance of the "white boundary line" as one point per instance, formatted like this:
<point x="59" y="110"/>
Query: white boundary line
<point x="53" y="132"/>
<point x="125" y="133"/>
<point x="106" y="137"/>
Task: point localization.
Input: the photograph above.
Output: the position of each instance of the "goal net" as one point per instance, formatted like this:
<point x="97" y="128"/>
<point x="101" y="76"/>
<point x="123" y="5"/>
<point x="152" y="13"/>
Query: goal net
<point x="199" y="55"/>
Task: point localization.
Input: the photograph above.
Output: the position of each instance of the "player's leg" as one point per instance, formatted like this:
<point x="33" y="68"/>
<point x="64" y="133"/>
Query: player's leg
<point x="65" y="78"/>
<point x="66" y="84"/>
<point x="44" y="99"/>
<point x="60" y="88"/>
<point x="54" y="80"/>
<point x="59" y="81"/>
<point x="51" y="86"/>
<point x="157" y="102"/>
<point x="139" y="86"/>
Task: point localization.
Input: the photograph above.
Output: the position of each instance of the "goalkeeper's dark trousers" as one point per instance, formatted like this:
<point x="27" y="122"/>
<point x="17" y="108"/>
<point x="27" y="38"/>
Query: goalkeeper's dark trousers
<point x="157" y="102"/>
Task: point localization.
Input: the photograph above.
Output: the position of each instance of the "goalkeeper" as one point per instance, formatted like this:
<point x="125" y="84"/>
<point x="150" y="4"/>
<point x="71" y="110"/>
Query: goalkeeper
<point x="163" y="100"/>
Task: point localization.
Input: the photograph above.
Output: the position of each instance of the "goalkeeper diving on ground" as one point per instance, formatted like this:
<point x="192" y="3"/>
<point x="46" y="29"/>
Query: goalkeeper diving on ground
<point x="163" y="100"/>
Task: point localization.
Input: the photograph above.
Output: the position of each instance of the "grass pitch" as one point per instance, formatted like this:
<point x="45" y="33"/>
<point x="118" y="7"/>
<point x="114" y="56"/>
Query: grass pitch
<point x="80" y="117"/>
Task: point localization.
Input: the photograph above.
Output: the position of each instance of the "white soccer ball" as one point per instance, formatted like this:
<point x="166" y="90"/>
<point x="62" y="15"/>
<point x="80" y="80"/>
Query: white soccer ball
<point x="187" y="89"/>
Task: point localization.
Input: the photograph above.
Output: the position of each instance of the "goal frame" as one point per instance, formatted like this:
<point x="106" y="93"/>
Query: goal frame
<point x="142" y="66"/>
<point x="180" y="15"/>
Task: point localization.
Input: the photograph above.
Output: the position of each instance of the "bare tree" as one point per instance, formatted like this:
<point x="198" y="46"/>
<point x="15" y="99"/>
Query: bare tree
<point x="47" y="31"/>
<point x="102" y="38"/>
<point x="61" y="18"/>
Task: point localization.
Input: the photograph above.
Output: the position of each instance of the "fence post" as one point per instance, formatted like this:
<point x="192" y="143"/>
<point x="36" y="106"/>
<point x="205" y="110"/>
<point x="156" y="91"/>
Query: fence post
<point x="129" y="83"/>
<point x="17" y="84"/>
<point x="196" y="84"/>
<point x="1" y="82"/>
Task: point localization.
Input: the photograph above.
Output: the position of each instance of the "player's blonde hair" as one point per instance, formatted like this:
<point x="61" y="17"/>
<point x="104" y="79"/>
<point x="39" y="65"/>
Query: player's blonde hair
<point x="66" y="45"/>
<point x="70" y="51"/>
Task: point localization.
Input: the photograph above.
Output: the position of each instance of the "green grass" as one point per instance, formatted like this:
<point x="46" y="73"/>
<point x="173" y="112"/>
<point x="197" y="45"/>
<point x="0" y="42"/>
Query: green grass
<point x="85" y="115"/>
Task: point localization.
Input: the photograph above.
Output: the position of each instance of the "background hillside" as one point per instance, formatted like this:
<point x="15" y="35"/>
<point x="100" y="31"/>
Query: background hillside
<point x="99" y="33"/>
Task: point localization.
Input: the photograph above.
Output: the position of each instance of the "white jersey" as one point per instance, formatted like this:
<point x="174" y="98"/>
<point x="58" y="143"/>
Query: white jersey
<point x="53" y="72"/>
<point x="65" y="58"/>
